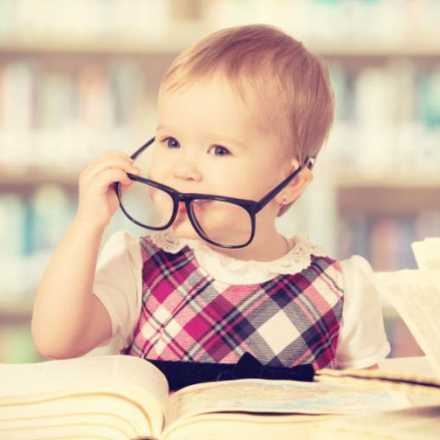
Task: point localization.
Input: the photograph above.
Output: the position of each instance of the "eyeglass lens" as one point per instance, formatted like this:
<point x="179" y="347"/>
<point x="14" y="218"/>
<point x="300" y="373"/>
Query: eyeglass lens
<point x="221" y="222"/>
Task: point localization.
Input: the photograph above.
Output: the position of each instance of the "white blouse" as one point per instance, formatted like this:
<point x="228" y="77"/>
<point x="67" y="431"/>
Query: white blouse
<point x="118" y="285"/>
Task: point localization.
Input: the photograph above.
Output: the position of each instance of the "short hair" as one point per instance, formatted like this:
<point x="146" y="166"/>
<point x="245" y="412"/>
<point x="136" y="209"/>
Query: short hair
<point x="265" y="60"/>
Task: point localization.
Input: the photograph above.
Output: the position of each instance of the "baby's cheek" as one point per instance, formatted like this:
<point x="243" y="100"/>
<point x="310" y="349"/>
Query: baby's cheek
<point x="245" y="189"/>
<point x="155" y="172"/>
<point x="156" y="165"/>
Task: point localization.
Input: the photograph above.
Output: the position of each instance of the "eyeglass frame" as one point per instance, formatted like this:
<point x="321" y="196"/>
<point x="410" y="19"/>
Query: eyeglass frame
<point x="252" y="207"/>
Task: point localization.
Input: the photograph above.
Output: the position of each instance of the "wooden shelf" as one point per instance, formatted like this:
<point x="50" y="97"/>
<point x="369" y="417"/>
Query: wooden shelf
<point x="88" y="47"/>
<point x="386" y="179"/>
<point x="183" y="35"/>
<point x="26" y="179"/>
<point x="15" y="314"/>
<point x="382" y="200"/>
<point x="387" y="193"/>
<point x="410" y="49"/>
<point x="169" y="45"/>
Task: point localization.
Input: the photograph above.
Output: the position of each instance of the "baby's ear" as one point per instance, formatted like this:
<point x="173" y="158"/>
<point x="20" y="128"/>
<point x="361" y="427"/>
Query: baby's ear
<point x="295" y="187"/>
<point x="305" y="176"/>
<point x="308" y="175"/>
<point x="300" y="183"/>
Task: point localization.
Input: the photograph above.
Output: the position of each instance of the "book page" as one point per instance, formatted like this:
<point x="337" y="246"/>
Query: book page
<point x="228" y="425"/>
<point x="420" y="390"/>
<point x="108" y="382"/>
<point x="60" y="415"/>
<point x="415" y="294"/>
<point x="407" y="424"/>
<point x="276" y="396"/>
<point x="408" y="364"/>
<point x="427" y="253"/>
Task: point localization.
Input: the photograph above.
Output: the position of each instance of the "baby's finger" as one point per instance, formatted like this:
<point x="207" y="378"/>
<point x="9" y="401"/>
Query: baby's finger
<point x="108" y="176"/>
<point x="121" y="164"/>
<point x="109" y="155"/>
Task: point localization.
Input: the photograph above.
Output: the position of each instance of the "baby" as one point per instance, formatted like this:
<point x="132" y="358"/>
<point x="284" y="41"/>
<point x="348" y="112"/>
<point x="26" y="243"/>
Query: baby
<point x="242" y="116"/>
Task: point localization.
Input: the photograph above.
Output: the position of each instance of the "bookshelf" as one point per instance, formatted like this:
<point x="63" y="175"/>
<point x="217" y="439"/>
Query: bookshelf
<point x="66" y="96"/>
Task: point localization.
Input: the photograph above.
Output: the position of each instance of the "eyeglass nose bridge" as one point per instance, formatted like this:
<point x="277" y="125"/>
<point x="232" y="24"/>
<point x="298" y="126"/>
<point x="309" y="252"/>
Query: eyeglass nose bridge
<point x="187" y="198"/>
<point x="181" y="198"/>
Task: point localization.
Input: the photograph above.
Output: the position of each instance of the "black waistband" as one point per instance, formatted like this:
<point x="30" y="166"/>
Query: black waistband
<point x="180" y="374"/>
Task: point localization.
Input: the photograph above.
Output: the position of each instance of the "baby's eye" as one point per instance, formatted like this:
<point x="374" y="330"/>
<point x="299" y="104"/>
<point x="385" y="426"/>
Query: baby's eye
<point x="173" y="141"/>
<point x="219" y="150"/>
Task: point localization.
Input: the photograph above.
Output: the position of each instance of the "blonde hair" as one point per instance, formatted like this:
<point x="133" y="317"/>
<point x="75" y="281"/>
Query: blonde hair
<point x="275" y="66"/>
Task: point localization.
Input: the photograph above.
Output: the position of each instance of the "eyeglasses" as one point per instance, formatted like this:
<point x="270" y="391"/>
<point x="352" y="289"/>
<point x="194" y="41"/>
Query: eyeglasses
<point x="223" y="221"/>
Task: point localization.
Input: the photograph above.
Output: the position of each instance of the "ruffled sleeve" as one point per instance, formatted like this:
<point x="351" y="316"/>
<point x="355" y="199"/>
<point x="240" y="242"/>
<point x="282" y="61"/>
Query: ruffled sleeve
<point x="363" y="340"/>
<point x="118" y="285"/>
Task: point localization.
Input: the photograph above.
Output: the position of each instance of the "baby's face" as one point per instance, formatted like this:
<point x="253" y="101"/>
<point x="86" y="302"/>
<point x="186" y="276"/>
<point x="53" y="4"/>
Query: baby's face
<point x="209" y="141"/>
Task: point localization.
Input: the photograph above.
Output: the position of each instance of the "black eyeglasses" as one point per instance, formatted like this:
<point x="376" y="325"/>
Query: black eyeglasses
<point x="228" y="222"/>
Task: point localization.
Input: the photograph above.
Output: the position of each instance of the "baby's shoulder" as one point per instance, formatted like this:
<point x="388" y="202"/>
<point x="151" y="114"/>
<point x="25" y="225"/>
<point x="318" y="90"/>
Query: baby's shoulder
<point x="121" y="240"/>
<point x="354" y="269"/>
<point x="356" y="266"/>
<point x="302" y="247"/>
<point x="120" y="245"/>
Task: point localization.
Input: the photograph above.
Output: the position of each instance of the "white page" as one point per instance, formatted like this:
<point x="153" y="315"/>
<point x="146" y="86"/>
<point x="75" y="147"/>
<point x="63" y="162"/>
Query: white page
<point x="427" y="253"/>
<point x="282" y="397"/>
<point x="129" y="377"/>
<point x="415" y="294"/>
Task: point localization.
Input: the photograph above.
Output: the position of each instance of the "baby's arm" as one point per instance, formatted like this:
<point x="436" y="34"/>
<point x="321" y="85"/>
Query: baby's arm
<point x="68" y="320"/>
<point x="363" y="342"/>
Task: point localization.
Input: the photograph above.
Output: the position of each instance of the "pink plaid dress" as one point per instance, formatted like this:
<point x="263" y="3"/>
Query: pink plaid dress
<point x="187" y="315"/>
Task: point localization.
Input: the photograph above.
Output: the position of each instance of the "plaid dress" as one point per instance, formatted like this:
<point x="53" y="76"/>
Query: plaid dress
<point x="187" y="315"/>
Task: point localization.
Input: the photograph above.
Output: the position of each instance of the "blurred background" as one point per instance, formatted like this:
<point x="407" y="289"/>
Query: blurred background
<point x="80" y="77"/>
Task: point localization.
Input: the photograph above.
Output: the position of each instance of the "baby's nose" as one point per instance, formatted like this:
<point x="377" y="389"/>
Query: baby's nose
<point x="187" y="171"/>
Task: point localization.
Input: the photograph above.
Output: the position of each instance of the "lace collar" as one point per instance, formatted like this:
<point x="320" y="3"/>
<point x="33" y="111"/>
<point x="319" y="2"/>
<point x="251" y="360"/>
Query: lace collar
<point x="297" y="259"/>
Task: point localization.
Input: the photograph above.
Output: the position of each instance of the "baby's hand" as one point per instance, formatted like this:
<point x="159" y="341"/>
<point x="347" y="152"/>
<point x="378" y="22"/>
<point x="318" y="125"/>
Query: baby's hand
<point x="97" y="198"/>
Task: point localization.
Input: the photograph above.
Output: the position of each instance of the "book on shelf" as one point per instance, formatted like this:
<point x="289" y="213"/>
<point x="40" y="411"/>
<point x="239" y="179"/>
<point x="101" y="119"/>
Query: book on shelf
<point x="125" y="397"/>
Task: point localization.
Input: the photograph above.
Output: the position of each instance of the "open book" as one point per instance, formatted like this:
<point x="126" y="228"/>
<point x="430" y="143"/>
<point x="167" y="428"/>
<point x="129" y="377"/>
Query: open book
<point x="125" y="397"/>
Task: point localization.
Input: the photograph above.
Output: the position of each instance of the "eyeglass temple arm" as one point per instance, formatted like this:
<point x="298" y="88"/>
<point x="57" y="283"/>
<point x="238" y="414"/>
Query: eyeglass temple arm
<point x="133" y="156"/>
<point x="142" y="148"/>
<point x="309" y="162"/>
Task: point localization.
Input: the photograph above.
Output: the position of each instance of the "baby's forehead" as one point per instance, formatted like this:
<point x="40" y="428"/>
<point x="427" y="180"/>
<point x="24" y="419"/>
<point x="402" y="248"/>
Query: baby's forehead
<point x="241" y="102"/>
<point x="250" y="91"/>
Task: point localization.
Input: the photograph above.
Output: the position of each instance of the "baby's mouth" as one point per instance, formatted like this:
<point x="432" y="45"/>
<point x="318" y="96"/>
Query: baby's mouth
<point x="197" y="208"/>
<point x="181" y="213"/>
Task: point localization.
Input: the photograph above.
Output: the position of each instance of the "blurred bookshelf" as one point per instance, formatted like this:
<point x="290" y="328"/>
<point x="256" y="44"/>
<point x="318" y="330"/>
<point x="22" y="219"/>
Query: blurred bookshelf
<point x="80" y="78"/>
